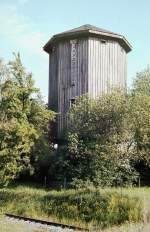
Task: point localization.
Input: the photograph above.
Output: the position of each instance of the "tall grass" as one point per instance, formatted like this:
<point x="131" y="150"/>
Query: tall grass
<point x="88" y="207"/>
<point x="129" y="227"/>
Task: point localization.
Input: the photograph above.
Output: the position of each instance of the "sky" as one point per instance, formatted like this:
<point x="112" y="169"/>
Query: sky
<point x="26" y="25"/>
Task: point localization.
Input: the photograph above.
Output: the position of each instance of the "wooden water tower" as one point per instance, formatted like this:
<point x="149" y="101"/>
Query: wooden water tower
<point x="86" y="59"/>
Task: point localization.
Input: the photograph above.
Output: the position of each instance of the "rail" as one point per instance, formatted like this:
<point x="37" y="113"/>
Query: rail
<point x="49" y="223"/>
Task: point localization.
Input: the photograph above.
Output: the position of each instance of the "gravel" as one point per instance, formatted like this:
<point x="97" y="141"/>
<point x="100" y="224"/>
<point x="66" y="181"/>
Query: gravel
<point x="37" y="226"/>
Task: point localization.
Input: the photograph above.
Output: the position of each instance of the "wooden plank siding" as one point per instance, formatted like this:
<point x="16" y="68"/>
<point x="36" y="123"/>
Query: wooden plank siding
<point x="106" y="66"/>
<point x="99" y="66"/>
<point x="60" y="89"/>
<point x="53" y="80"/>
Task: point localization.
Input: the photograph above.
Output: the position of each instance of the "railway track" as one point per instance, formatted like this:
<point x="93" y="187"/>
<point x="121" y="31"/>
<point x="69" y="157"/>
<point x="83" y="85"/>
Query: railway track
<point x="48" y="223"/>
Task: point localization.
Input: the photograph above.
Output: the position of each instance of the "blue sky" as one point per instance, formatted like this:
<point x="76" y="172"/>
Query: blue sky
<point x="26" y="25"/>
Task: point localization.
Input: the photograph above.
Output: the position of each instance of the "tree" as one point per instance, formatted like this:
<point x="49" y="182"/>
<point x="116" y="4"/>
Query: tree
<point x="109" y="138"/>
<point x="139" y="116"/>
<point x="24" y="120"/>
<point x="98" y="149"/>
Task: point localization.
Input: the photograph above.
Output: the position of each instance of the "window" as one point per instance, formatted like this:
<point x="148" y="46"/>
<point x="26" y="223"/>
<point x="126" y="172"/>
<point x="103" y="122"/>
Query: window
<point x="103" y="41"/>
<point x="72" y="102"/>
<point x="73" y="83"/>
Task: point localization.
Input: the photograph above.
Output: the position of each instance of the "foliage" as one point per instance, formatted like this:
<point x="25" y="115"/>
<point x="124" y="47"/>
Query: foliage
<point x="100" y="119"/>
<point x="98" y="148"/>
<point x="139" y="108"/>
<point x="84" y="207"/>
<point x="23" y="122"/>
<point x="108" y="137"/>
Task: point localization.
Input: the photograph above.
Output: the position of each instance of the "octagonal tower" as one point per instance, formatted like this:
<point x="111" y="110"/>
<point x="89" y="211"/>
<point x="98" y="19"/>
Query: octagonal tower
<point x="86" y="59"/>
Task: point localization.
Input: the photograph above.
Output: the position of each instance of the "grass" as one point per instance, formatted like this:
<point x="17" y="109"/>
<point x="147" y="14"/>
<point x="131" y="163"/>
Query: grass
<point x="96" y="208"/>
<point x="130" y="227"/>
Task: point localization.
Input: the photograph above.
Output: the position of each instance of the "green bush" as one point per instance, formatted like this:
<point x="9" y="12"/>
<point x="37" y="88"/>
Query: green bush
<point x="82" y="207"/>
<point x="94" y="207"/>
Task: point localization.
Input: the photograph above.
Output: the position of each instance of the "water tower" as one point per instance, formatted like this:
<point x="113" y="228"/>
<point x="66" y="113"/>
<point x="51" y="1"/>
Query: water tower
<point x="83" y="60"/>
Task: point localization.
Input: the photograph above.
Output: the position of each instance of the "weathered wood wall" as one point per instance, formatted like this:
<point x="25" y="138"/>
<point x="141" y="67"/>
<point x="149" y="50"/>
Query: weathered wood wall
<point x="53" y="79"/>
<point x="98" y="66"/>
<point x="106" y="67"/>
<point x="61" y="90"/>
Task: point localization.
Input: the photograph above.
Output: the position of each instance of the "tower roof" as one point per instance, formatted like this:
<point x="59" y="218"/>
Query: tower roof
<point x="88" y="30"/>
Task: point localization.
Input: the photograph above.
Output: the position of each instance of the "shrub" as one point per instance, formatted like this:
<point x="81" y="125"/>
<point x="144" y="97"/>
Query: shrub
<point x="86" y="207"/>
